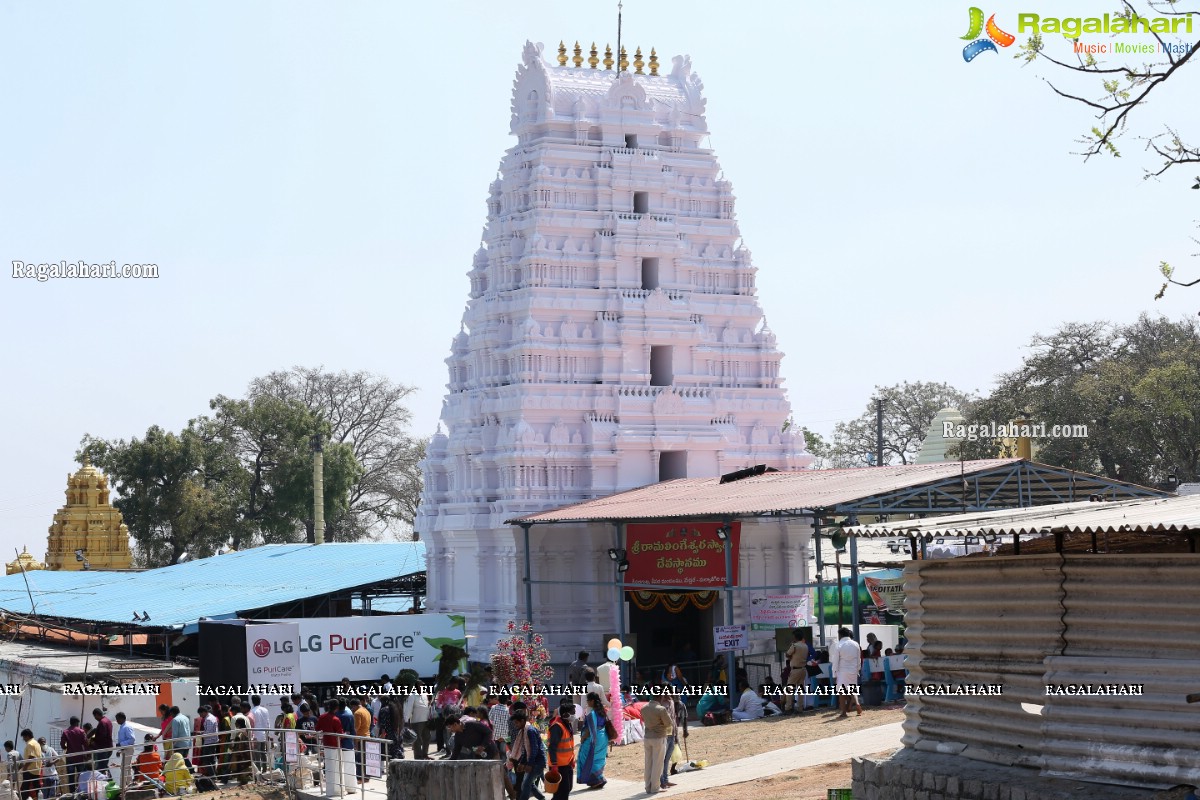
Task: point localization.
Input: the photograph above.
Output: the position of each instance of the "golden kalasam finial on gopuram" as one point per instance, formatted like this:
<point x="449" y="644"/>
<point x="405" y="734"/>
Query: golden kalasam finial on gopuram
<point x="624" y="60"/>
<point x="593" y="60"/>
<point x="578" y="59"/>
<point x="608" y="59"/>
<point x="653" y="62"/>
<point x="562" y="54"/>
<point x="638" y="63"/>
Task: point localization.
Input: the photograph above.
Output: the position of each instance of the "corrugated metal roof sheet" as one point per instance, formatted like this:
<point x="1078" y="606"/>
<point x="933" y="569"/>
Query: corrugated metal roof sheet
<point x="51" y="663"/>
<point x="221" y="586"/>
<point x="1156" y="515"/>
<point x="811" y="489"/>
<point x="389" y="605"/>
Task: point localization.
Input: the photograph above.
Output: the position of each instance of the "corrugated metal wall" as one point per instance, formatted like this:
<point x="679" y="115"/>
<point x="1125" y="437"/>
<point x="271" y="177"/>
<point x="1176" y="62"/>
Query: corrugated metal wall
<point x="1141" y="605"/>
<point x="981" y="621"/>
<point x="1029" y="621"/>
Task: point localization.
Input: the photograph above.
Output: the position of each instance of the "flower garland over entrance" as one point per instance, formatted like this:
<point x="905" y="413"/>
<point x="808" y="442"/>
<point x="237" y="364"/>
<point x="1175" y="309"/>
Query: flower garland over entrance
<point x="674" y="602"/>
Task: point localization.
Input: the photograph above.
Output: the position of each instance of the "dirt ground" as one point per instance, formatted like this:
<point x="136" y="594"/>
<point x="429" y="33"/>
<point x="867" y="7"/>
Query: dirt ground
<point x="810" y="783"/>
<point x="736" y="740"/>
<point x="248" y="793"/>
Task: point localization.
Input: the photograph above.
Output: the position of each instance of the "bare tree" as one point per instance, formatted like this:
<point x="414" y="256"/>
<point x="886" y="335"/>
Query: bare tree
<point x="368" y="413"/>
<point x="1127" y="88"/>
<point x="908" y="410"/>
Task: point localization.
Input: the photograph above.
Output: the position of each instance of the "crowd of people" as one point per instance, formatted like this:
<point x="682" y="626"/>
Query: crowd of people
<point x="803" y="665"/>
<point x="228" y="741"/>
<point x="546" y="748"/>
<point x="39" y="770"/>
<point x="549" y="748"/>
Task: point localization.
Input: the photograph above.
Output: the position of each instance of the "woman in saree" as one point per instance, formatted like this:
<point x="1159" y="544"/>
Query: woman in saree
<point x="593" y="750"/>
<point x="239" y="752"/>
<point x="221" y="712"/>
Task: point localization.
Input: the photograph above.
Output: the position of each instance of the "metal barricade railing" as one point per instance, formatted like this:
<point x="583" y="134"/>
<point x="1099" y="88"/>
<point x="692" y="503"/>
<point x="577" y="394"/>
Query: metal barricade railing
<point x="286" y="757"/>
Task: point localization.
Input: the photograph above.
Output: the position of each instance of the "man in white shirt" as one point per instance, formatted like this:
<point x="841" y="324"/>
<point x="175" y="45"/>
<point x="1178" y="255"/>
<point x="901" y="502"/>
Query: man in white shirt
<point x="49" y="769"/>
<point x="845" y="663"/>
<point x="12" y="770"/>
<point x="260" y="720"/>
<point x="373" y="705"/>
<point x="593" y="685"/>
<point x="209" y="742"/>
<point x="750" y="705"/>
<point x="127" y="742"/>
<point x="416" y="716"/>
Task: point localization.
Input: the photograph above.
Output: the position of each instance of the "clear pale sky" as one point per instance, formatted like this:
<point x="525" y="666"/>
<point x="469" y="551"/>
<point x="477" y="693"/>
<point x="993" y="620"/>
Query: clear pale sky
<point x="310" y="179"/>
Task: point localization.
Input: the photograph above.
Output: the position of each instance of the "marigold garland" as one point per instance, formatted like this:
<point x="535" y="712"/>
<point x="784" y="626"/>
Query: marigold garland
<point x="674" y="602"/>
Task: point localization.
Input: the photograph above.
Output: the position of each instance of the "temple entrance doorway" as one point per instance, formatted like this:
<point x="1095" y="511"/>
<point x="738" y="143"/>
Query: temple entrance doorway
<point x="674" y="628"/>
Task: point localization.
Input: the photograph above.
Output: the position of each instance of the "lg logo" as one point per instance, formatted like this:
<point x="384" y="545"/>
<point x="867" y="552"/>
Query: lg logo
<point x="263" y="648"/>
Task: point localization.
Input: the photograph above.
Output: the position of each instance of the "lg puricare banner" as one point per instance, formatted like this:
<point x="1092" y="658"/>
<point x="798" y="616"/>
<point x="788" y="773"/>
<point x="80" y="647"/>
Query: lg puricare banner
<point x="363" y="648"/>
<point x="679" y="554"/>
<point x="272" y="655"/>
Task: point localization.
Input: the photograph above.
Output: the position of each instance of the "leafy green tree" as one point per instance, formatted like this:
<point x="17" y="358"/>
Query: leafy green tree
<point x="367" y="413"/>
<point x="817" y="447"/>
<point x="272" y="440"/>
<point x="908" y="410"/>
<point x="240" y="478"/>
<point x="177" y="492"/>
<point x="1136" y="387"/>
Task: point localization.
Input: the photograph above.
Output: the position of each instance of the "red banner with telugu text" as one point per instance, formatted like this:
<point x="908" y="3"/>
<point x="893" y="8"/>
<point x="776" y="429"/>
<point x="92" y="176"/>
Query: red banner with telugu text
<point x="680" y="554"/>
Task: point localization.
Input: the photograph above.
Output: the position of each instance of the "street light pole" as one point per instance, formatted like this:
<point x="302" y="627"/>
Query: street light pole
<point x="730" y="662"/>
<point x="855" y="609"/>
<point x="620" y="606"/>
<point x="837" y="558"/>
<point x="816" y="539"/>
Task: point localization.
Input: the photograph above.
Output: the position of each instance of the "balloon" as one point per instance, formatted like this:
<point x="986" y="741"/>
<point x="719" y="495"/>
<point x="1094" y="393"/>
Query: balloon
<point x="613" y="654"/>
<point x="614" y="643"/>
<point x="626" y="653"/>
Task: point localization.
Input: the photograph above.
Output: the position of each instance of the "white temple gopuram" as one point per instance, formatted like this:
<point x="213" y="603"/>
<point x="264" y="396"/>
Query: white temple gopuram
<point x="612" y="338"/>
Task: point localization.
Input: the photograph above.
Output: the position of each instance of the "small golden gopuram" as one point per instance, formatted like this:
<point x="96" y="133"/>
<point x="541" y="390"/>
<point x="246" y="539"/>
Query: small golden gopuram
<point x="89" y="524"/>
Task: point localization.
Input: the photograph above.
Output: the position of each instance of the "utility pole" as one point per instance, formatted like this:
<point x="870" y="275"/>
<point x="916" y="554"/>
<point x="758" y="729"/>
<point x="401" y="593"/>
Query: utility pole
<point x="318" y="490"/>
<point x="879" y="432"/>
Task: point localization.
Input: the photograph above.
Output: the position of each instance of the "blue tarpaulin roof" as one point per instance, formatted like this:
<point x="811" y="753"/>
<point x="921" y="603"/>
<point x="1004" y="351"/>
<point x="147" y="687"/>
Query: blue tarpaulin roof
<point x="217" y="587"/>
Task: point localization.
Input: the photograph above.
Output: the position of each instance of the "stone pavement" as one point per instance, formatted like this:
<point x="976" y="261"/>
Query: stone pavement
<point x="809" y="754"/>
